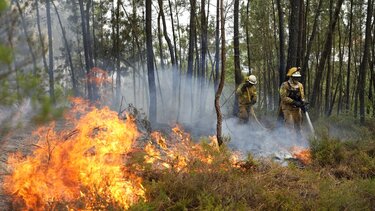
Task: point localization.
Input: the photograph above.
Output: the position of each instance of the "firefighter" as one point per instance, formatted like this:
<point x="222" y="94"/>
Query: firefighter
<point x="247" y="97"/>
<point x="293" y="101"/>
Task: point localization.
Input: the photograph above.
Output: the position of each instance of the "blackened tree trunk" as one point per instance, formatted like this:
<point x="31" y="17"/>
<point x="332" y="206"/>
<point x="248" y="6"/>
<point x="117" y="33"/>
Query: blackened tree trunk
<point x="236" y="46"/>
<point x="364" y="63"/>
<point x="191" y="39"/>
<point x="222" y="79"/>
<point x="282" y="42"/>
<point x="293" y="34"/>
<point x="50" y="54"/>
<point x="325" y="54"/>
<point x="150" y="64"/>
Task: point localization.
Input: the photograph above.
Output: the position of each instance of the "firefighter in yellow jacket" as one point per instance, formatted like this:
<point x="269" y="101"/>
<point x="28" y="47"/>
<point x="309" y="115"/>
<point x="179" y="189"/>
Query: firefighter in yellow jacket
<point x="293" y="100"/>
<point x="247" y="97"/>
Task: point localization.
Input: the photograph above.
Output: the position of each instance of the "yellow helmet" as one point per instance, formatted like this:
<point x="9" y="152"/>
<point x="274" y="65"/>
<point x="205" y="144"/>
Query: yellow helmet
<point x="294" y="72"/>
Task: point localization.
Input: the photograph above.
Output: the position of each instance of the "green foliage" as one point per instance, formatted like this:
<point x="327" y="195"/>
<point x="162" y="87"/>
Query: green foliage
<point x="5" y="54"/>
<point x="327" y="151"/>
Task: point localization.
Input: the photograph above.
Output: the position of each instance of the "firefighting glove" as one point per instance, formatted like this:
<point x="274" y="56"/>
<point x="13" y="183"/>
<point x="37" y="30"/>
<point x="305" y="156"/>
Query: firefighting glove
<point x="297" y="104"/>
<point x="253" y="101"/>
<point x="305" y="107"/>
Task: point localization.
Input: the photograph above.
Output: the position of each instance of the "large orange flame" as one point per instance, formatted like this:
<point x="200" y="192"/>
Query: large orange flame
<point x="85" y="163"/>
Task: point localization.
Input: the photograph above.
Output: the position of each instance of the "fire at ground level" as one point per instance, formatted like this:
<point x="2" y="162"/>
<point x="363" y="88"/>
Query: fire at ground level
<point x="79" y="157"/>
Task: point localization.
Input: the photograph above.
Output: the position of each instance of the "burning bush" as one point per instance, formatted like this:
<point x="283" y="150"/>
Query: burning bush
<point x="88" y="164"/>
<point x="82" y="166"/>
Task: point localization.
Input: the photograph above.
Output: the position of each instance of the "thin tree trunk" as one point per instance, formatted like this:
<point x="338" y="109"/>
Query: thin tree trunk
<point x="160" y="43"/>
<point x="23" y="23"/>
<point x="311" y="40"/>
<point x="325" y="53"/>
<point x="40" y="36"/>
<point x="150" y="64"/>
<point x="85" y="47"/>
<point x="282" y="42"/>
<point x="217" y="46"/>
<point x="347" y="92"/>
<point x="236" y="46"/>
<point x="248" y="35"/>
<point x="68" y="52"/>
<point x="222" y="78"/>
<point x="191" y="39"/>
<point x="364" y="63"/>
<point x="50" y="54"/>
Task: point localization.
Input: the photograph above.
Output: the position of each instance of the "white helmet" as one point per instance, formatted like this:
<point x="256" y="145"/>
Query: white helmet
<point x="252" y="79"/>
<point x="297" y="74"/>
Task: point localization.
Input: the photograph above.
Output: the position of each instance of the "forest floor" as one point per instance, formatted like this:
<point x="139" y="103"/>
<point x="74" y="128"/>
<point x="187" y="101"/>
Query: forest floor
<point x="341" y="175"/>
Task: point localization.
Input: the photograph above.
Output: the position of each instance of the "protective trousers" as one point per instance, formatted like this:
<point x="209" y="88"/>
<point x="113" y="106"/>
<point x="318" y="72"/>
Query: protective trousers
<point x="245" y="112"/>
<point x="293" y="120"/>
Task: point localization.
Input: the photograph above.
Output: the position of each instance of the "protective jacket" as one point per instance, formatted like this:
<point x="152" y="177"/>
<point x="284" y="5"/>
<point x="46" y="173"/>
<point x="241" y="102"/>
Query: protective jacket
<point x="247" y="97"/>
<point x="290" y="93"/>
<point x="247" y="94"/>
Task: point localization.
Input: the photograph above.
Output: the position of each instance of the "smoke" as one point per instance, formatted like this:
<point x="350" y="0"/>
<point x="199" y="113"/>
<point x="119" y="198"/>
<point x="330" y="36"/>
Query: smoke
<point x="192" y="106"/>
<point x="262" y="142"/>
<point x="16" y="115"/>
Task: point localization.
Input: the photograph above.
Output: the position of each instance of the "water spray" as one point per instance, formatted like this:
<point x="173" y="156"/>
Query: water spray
<point x="310" y="124"/>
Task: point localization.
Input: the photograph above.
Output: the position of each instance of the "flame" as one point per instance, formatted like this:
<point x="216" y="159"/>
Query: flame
<point x="302" y="154"/>
<point x="98" y="76"/>
<point x="85" y="163"/>
<point x="175" y="152"/>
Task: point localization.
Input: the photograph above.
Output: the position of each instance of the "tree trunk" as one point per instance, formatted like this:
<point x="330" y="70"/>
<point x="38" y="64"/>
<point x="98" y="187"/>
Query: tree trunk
<point x="347" y="92"/>
<point x="160" y="43"/>
<point x="68" y="52"/>
<point x="150" y="64"/>
<point x="40" y="36"/>
<point x="222" y="78"/>
<point x="27" y="37"/>
<point x="50" y="54"/>
<point x="248" y="35"/>
<point x="311" y="41"/>
<point x="217" y="46"/>
<point x="325" y="53"/>
<point x="191" y="39"/>
<point x="236" y="46"/>
<point x="364" y="63"/>
<point x="85" y="48"/>
<point x="293" y="34"/>
<point x="282" y="42"/>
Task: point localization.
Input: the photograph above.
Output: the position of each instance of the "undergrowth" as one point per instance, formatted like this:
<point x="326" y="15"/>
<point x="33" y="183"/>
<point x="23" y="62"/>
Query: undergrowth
<point x="340" y="177"/>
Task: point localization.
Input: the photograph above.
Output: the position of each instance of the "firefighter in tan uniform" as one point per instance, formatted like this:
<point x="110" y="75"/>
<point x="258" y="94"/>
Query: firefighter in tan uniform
<point x="247" y="97"/>
<point x="293" y="101"/>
